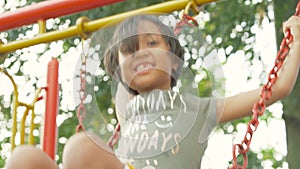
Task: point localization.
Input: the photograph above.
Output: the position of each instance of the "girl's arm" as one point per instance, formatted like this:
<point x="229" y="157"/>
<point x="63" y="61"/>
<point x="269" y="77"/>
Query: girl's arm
<point x="240" y="105"/>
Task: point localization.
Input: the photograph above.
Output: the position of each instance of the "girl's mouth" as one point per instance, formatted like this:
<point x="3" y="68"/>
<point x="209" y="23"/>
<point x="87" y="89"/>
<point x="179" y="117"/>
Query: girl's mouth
<point x="143" y="68"/>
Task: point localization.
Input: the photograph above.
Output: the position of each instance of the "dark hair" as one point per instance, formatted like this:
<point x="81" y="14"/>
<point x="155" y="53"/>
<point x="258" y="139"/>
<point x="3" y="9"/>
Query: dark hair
<point x="124" y="39"/>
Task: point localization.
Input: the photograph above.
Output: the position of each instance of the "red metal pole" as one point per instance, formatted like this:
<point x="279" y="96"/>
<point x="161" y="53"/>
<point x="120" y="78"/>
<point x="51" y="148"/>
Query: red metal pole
<point x="50" y="128"/>
<point x="47" y="9"/>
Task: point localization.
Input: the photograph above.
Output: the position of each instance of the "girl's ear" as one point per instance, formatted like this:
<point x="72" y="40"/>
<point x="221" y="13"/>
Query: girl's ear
<point x="175" y="60"/>
<point x="175" y="67"/>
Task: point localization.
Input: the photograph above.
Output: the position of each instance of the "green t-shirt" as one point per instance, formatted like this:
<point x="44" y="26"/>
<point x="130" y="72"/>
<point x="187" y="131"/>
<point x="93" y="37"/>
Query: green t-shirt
<point x="165" y="129"/>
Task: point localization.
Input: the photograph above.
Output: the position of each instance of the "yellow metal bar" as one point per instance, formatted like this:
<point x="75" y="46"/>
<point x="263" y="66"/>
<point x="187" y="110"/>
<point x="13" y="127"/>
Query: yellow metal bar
<point x="32" y="124"/>
<point x="92" y="26"/>
<point x="14" y="114"/>
<point x="14" y="111"/>
<point x="32" y="127"/>
<point x="42" y="26"/>
<point x="22" y="127"/>
<point x="23" y="121"/>
<point x="15" y="106"/>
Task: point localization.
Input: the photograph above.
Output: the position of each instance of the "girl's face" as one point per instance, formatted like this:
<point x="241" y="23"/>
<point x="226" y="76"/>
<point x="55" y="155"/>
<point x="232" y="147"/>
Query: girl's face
<point x="150" y="67"/>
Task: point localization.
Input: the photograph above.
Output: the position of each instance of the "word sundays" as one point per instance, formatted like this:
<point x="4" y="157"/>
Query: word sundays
<point x="136" y="137"/>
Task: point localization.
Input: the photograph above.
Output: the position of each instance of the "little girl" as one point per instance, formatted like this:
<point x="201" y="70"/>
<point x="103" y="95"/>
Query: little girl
<point x="161" y="127"/>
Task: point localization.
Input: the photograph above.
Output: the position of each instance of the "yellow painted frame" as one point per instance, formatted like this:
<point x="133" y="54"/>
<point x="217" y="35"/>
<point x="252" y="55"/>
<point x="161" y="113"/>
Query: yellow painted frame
<point x="92" y="26"/>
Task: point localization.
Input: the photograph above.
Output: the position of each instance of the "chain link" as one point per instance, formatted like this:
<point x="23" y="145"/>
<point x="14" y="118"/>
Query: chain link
<point x="113" y="140"/>
<point x="259" y="108"/>
<point x="81" y="110"/>
<point x="184" y="21"/>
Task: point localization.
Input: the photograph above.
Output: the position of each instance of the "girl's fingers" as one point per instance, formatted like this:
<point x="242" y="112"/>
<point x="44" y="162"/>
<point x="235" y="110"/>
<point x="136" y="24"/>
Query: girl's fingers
<point x="293" y="23"/>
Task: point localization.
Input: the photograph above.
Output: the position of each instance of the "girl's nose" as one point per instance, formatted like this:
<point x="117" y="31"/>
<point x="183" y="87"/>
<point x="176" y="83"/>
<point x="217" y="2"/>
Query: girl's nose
<point x="141" y="53"/>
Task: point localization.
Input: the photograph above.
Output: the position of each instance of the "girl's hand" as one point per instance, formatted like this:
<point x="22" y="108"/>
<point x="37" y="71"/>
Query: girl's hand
<point x="293" y="23"/>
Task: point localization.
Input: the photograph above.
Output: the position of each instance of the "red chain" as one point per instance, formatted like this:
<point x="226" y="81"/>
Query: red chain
<point x="185" y="21"/>
<point x="81" y="111"/>
<point x="113" y="140"/>
<point x="259" y="108"/>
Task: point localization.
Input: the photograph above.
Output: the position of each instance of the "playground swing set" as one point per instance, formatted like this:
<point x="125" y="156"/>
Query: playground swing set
<point x="40" y="12"/>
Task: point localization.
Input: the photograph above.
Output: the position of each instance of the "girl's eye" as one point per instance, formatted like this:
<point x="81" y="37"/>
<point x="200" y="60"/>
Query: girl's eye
<point x="152" y="43"/>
